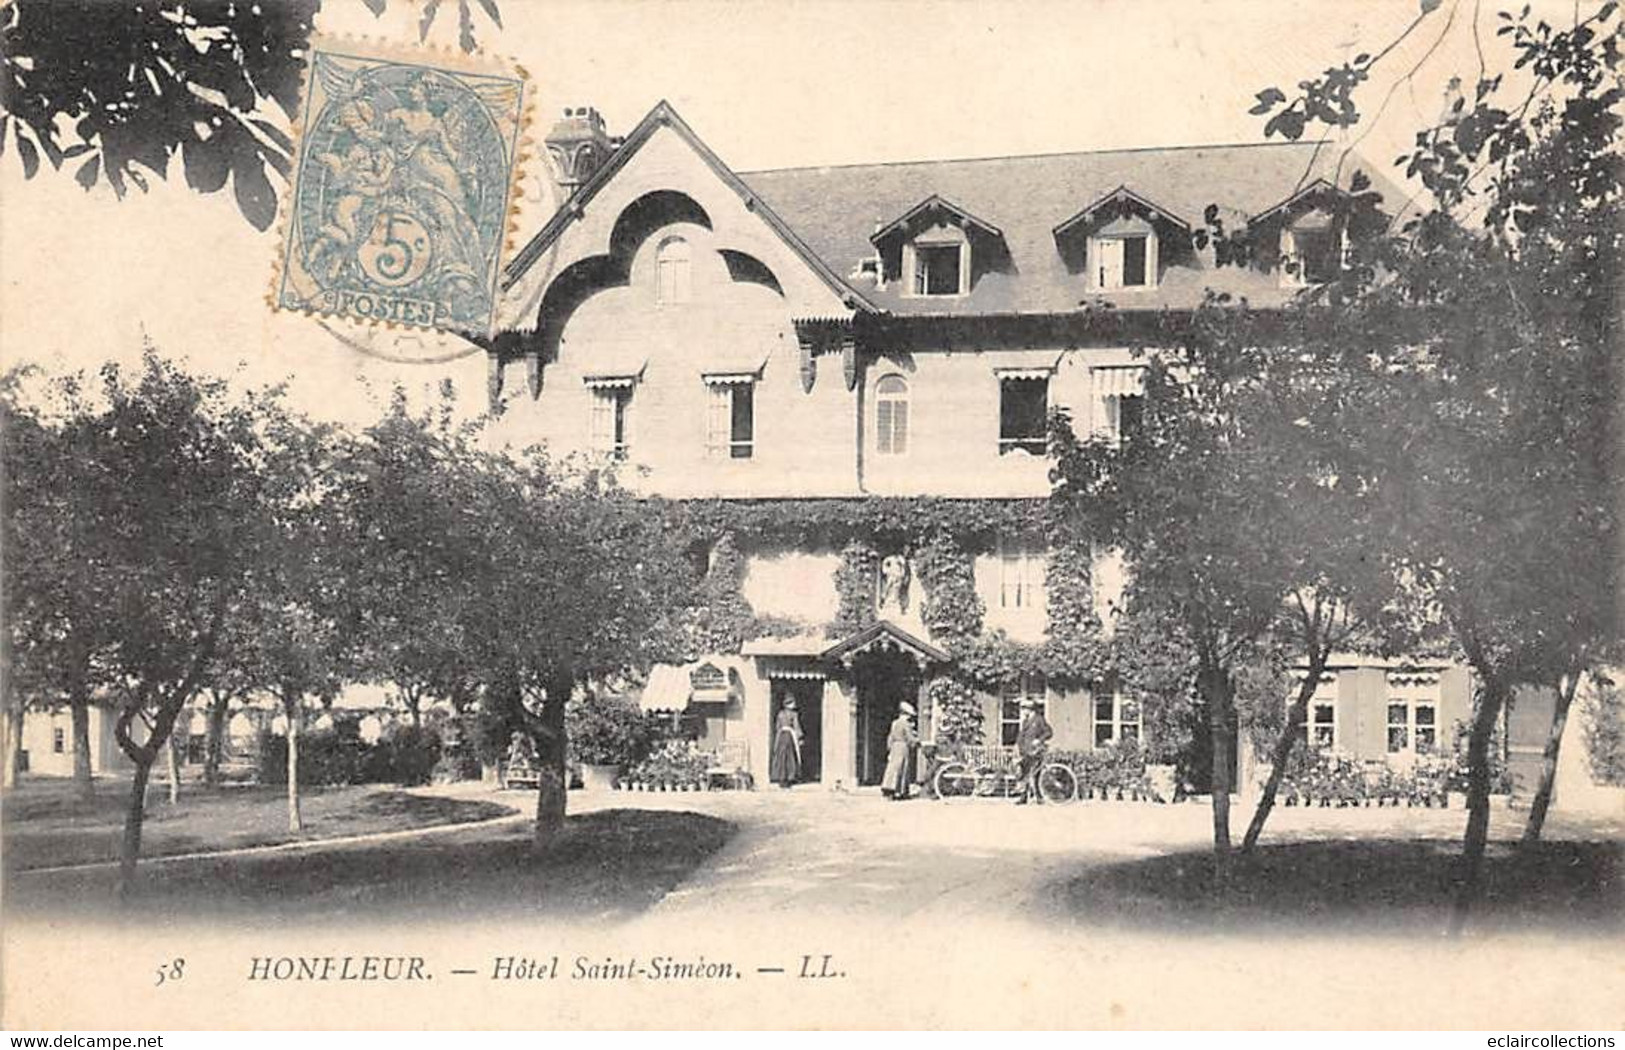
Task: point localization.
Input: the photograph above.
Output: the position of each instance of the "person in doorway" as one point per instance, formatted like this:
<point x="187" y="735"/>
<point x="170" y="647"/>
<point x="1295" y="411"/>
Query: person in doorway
<point x="784" y="768"/>
<point x="1032" y="743"/>
<point x="899" y="754"/>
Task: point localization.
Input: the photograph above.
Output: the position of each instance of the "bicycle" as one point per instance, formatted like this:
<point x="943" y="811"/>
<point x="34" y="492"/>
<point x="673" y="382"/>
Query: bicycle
<point x="994" y="772"/>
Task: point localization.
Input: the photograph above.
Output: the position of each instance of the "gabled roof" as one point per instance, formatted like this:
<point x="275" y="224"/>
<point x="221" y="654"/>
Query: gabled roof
<point x="834" y="210"/>
<point x="663" y="115"/>
<point x="1086" y="215"/>
<point x="883" y="634"/>
<point x="1307" y="193"/>
<point x="934" y="202"/>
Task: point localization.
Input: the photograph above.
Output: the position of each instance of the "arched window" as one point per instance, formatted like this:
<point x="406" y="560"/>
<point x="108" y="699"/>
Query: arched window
<point x="671" y="264"/>
<point x="891" y="416"/>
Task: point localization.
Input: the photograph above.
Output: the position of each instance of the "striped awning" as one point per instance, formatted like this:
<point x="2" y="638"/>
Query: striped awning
<point x="1026" y="364"/>
<point x="741" y="366"/>
<point x="1413" y="677"/>
<point x="672" y="687"/>
<point x="614" y="367"/>
<point x="1119" y="380"/>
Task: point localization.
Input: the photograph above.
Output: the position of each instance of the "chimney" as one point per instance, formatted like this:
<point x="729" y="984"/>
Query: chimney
<point x="579" y="145"/>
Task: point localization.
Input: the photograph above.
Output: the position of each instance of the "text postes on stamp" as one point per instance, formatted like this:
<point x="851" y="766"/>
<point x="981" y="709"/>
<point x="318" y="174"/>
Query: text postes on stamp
<point x="401" y="188"/>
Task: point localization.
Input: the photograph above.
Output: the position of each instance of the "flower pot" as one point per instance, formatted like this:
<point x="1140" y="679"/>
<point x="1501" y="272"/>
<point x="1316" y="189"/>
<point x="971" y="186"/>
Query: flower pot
<point x="598" y="778"/>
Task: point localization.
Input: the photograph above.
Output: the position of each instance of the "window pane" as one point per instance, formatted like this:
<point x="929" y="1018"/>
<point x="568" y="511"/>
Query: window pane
<point x="1131" y="711"/>
<point x="1103" y="709"/>
<point x="1130" y="413"/>
<point x="1424" y="714"/>
<point x="1103" y="734"/>
<point x="1397" y="714"/>
<point x="1324" y="714"/>
<point x="1130" y="734"/>
<point x="1134" y="261"/>
<point x="1023" y="408"/>
<point x="742" y="422"/>
<point x="1396" y="739"/>
<point x="941" y="269"/>
<point x="1425" y="739"/>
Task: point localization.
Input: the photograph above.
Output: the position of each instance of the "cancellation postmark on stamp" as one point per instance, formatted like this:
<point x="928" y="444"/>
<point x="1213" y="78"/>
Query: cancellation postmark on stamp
<point x="402" y="181"/>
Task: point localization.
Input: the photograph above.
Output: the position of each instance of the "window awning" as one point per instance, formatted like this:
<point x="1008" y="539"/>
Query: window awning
<point x="1026" y="364"/>
<point x="1119" y="380"/>
<point x="614" y="366"/>
<point x="1413" y="677"/>
<point x="744" y="366"/>
<point x="672" y="687"/>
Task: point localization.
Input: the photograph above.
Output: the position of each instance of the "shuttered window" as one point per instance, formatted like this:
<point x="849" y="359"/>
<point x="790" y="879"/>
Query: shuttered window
<point x="891" y="416"/>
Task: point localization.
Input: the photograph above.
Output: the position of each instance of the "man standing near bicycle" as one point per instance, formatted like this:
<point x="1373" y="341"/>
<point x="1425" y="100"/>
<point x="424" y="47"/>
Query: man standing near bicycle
<point x="1032" y="743"/>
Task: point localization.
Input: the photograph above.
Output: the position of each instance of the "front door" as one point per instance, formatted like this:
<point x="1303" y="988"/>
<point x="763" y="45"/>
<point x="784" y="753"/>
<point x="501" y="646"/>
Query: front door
<point x="809" y="697"/>
<point x="882" y="680"/>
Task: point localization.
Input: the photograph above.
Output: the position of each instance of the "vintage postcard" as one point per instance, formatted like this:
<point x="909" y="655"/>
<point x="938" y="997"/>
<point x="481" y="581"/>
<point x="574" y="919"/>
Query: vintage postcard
<point x="811" y="515"/>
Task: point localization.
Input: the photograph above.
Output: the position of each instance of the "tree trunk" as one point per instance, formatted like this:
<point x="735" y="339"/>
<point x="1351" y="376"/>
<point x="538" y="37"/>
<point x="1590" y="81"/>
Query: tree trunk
<point x="215" y="743"/>
<point x="292" y="713"/>
<point x="1297" y="716"/>
<point x="1491" y="698"/>
<point x="1217" y="692"/>
<point x="552" y="772"/>
<point x="130" y="848"/>
<point x="13" y="769"/>
<point x="84" y="787"/>
<point x="173" y="766"/>
<point x="1548" y="766"/>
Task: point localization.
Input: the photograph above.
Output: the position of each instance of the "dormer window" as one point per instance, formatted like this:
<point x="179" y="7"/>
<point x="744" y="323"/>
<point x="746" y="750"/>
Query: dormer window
<point x="1118" y="241"/>
<point x="1310" y="255"/>
<point x="938" y="249"/>
<point x="1124" y="261"/>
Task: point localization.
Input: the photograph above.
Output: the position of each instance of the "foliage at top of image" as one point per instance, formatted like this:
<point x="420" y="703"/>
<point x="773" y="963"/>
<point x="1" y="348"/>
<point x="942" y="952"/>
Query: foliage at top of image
<point x="116" y="90"/>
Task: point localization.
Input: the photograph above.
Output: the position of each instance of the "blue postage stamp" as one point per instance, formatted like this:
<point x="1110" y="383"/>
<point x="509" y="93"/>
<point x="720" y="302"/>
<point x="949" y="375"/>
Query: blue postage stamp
<point x="402" y="182"/>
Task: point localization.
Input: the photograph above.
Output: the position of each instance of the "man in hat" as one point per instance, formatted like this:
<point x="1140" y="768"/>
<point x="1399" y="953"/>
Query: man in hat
<point x="1032" y="743"/>
<point x="899" y="753"/>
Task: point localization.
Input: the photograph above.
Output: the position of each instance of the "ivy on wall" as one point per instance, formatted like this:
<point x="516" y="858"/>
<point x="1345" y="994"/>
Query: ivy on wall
<point x="887" y="523"/>
<point x="951" y="607"/>
<point x="723" y="620"/>
<point x="855" y="581"/>
<point x="956" y="711"/>
<point x="1075" y="649"/>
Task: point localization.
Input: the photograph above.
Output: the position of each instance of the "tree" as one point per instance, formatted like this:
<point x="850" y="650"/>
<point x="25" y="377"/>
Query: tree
<point x="1486" y="349"/>
<point x="294" y="637"/>
<point x="410" y="491"/>
<point x="175" y="494"/>
<point x="120" y="89"/>
<point x="1191" y="498"/>
<point x="56" y="568"/>
<point x="579" y="582"/>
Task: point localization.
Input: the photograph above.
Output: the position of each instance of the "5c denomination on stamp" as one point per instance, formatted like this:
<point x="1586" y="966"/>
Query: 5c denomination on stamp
<point x="403" y="177"/>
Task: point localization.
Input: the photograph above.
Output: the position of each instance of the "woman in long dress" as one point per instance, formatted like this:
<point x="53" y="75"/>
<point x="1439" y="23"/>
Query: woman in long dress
<point x="784" y="768"/>
<point x="899" y="750"/>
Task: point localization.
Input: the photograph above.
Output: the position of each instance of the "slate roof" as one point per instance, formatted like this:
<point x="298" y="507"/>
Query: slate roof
<point x="836" y="210"/>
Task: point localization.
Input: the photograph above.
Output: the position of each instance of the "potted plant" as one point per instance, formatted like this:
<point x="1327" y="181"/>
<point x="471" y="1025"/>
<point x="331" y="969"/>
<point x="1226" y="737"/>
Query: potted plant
<point x="605" y="734"/>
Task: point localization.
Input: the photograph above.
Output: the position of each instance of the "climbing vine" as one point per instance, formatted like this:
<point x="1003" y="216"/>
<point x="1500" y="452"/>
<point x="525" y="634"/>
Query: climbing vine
<point x="956" y="711"/>
<point x="855" y="582"/>
<point x="1075" y="647"/>
<point x="951" y="607"/>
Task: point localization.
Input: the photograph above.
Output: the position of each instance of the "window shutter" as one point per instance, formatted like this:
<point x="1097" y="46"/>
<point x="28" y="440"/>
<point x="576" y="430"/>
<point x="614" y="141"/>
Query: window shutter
<point x="899" y="424"/>
<point x="883" y="426"/>
<point x="719" y="420"/>
<point x="603" y="420"/>
<point x="1109" y="263"/>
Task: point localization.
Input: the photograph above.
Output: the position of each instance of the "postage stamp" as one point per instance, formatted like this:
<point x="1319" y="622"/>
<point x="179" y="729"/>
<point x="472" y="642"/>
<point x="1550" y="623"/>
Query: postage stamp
<point x="402" y="181"/>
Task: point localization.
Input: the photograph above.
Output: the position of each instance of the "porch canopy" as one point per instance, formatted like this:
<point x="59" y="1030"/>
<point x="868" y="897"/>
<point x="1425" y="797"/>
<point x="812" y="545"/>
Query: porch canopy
<point x="885" y="636"/>
<point x="672" y="687"/>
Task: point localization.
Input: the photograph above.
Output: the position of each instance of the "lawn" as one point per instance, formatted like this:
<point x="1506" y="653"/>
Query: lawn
<point x="1374" y="886"/>
<point x="45" y="824"/>
<point x="608" y="865"/>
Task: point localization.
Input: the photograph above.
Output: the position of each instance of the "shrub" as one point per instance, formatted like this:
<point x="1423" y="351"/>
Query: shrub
<point x="327" y="757"/>
<point x="412" y="754"/>
<point x="1605" y="733"/>
<point x="605" y="730"/>
<point x="675" y="763"/>
<point x="956" y="711"/>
